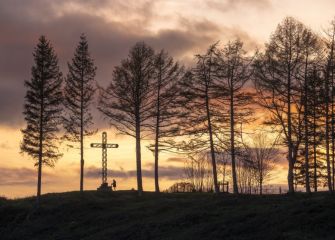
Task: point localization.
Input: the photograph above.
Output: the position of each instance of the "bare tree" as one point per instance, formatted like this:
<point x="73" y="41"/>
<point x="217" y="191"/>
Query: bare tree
<point x="224" y="166"/>
<point x="234" y="71"/>
<point x="277" y="85"/>
<point x="78" y="95"/>
<point x="263" y="154"/>
<point x="166" y="111"/>
<point x="310" y="51"/>
<point x="129" y="99"/>
<point x="329" y="103"/>
<point x="316" y="123"/>
<point x="198" y="89"/>
<point x="197" y="169"/>
<point x="246" y="174"/>
<point x="42" y="109"/>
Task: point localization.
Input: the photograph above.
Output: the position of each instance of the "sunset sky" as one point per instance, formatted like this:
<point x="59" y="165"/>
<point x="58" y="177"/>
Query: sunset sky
<point x="182" y="27"/>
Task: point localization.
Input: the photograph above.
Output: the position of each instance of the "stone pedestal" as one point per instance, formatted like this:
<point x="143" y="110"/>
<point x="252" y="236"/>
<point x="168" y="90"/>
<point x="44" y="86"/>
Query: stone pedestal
<point x="105" y="188"/>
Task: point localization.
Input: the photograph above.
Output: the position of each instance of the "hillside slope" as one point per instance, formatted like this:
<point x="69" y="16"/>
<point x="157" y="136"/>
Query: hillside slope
<point x="123" y="215"/>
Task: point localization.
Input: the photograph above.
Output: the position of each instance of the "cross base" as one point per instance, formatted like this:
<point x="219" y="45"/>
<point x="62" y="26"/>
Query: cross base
<point x="105" y="188"/>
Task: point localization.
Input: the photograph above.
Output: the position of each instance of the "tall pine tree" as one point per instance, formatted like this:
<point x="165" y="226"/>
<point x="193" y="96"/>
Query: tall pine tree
<point x="42" y="109"/>
<point x="78" y="96"/>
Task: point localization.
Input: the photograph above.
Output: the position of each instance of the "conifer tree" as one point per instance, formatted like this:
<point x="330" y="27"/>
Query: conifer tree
<point x="78" y="96"/>
<point x="42" y="109"/>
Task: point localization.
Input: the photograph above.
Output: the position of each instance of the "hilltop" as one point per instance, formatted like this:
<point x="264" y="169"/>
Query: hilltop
<point x="124" y="215"/>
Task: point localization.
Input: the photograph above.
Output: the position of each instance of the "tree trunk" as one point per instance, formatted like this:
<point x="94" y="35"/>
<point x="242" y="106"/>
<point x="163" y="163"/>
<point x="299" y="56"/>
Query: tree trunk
<point x="315" y="180"/>
<point x="81" y="162"/>
<point x="290" y="177"/>
<point x="314" y="150"/>
<point x="156" y="163"/>
<point x="216" y="186"/>
<point x="333" y="146"/>
<point x="308" y="189"/>
<point x="40" y="154"/>
<point x="138" y="156"/>
<point x="39" y="174"/>
<point x="332" y="110"/>
<point x="157" y="140"/>
<point x="330" y="63"/>
<point x="232" y="140"/>
<point x="327" y="134"/>
<point x="82" y="133"/>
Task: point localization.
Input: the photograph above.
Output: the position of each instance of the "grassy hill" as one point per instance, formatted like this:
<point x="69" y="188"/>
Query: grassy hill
<point x="123" y="215"/>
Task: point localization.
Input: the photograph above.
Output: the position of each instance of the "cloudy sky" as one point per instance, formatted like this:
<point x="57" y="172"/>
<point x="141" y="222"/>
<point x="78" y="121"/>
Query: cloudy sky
<point x="183" y="28"/>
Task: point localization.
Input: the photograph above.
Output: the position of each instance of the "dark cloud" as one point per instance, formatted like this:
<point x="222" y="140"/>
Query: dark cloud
<point x="19" y="176"/>
<point x="22" y="22"/>
<point x="176" y="159"/>
<point x="165" y="172"/>
<point x="4" y="145"/>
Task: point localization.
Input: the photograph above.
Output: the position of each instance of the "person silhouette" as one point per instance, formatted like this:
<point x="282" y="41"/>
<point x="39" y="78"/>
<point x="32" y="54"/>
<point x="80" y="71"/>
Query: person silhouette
<point x="114" y="184"/>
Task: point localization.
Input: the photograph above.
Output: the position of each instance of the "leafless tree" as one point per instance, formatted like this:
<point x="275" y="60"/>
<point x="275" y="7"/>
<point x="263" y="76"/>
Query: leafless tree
<point x="263" y="154"/>
<point x="199" y="92"/>
<point x="277" y="85"/>
<point x="233" y="73"/>
<point x="329" y="104"/>
<point x="310" y="52"/>
<point x="166" y="110"/>
<point x="198" y="171"/>
<point x="129" y="99"/>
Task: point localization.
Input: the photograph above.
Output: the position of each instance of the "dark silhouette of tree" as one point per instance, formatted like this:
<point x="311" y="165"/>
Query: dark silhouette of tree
<point x="234" y="71"/>
<point x="329" y="104"/>
<point x="246" y="172"/>
<point x="262" y="153"/>
<point x="277" y="85"/>
<point x="313" y="101"/>
<point x="223" y="160"/>
<point x="78" y="95"/>
<point x="129" y="99"/>
<point x="199" y="91"/>
<point x="166" y="110"/>
<point x="310" y="54"/>
<point x="198" y="171"/>
<point x="316" y="112"/>
<point x="42" y="109"/>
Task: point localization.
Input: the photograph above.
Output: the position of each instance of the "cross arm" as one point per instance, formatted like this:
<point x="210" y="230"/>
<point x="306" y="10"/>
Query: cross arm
<point x="96" y="145"/>
<point x="101" y="145"/>
<point x="112" y="145"/>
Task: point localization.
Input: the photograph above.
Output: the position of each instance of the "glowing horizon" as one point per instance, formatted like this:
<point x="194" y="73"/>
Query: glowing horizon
<point x="112" y="27"/>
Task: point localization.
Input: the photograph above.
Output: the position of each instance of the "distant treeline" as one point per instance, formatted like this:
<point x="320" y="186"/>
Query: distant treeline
<point x="202" y="112"/>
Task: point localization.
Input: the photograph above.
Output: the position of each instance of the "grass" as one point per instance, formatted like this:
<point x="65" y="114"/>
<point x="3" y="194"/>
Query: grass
<point x="124" y="215"/>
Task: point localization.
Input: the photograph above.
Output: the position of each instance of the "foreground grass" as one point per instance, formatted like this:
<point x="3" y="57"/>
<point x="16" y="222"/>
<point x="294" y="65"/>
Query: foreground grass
<point x="123" y="215"/>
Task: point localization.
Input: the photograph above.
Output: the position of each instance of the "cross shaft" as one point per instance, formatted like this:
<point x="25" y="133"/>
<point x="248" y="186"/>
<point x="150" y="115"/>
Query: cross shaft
<point x="104" y="146"/>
